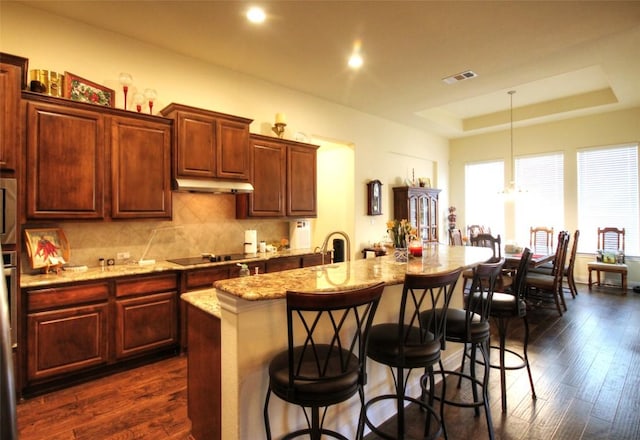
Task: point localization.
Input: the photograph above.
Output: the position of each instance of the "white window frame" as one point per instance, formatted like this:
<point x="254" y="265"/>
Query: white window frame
<point x="484" y="203"/>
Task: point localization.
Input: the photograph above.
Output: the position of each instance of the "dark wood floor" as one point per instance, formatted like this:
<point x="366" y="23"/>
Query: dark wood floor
<point x="586" y="367"/>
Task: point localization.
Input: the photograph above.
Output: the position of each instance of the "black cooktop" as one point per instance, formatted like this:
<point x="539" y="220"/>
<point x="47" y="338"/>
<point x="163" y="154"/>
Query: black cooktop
<point x="190" y="261"/>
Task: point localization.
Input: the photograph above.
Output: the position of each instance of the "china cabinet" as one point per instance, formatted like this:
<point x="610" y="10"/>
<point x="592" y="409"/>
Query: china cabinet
<point x="420" y="206"/>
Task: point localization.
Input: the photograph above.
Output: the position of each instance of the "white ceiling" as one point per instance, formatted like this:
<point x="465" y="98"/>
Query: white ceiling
<point x="563" y="58"/>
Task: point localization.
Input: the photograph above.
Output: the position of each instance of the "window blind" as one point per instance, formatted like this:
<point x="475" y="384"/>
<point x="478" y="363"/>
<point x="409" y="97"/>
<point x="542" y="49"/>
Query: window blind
<point x="483" y="202"/>
<point x="608" y="194"/>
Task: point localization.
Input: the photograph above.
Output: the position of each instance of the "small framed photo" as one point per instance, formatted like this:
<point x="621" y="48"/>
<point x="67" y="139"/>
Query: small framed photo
<point x="374" y="198"/>
<point x="47" y="247"/>
<point x="83" y="90"/>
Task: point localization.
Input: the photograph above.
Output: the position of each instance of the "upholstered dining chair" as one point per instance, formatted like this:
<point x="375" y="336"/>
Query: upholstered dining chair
<point x="545" y="290"/>
<point x="325" y="362"/>
<point x="412" y="342"/>
<point x="455" y="237"/>
<point x="611" y="244"/>
<point x="569" y="268"/>
<point x="541" y="239"/>
<point x="488" y="241"/>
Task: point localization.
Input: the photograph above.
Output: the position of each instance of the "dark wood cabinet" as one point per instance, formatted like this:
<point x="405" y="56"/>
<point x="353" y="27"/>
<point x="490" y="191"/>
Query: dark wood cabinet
<point x="140" y="169"/>
<point x="74" y="150"/>
<point x="283" y="174"/>
<point x="209" y="144"/>
<point x="67" y="330"/>
<point x="10" y="127"/>
<point x="65" y="162"/>
<point x="88" y="328"/>
<point x="284" y="263"/>
<point x="420" y="206"/>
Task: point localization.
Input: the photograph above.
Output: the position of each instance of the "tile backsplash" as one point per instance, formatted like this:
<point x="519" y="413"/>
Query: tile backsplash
<point x="201" y="223"/>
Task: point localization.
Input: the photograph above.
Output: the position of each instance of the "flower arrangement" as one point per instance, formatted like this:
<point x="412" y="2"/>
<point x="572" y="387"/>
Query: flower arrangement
<point x="400" y="232"/>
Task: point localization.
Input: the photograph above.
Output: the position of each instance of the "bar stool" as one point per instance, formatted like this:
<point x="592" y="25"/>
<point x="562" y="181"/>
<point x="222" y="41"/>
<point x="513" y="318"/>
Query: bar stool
<point x="325" y="362"/>
<point x="470" y="326"/>
<point x="506" y="306"/>
<point x="411" y="343"/>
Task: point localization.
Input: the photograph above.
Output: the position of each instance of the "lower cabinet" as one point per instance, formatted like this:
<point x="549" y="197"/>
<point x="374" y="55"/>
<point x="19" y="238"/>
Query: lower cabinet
<point x="67" y="340"/>
<point x="91" y="327"/>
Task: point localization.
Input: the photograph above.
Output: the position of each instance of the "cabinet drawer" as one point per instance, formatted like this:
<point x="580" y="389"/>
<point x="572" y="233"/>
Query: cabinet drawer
<point x="284" y="263"/>
<point x="43" y="299"/>
<point x="195" y="279"/>
<point x="138" y="286"/>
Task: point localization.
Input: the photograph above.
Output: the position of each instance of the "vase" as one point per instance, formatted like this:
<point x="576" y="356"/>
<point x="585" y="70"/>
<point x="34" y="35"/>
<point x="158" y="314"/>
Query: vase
<point x="401" y="255"/>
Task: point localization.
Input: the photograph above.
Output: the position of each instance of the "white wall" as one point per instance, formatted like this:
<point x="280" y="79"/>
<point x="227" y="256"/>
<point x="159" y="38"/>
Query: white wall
<point x="382" y="150"/>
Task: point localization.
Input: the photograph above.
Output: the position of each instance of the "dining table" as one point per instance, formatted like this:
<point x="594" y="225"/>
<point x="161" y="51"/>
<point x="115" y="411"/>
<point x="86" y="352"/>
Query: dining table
<point x="512" y="259"/>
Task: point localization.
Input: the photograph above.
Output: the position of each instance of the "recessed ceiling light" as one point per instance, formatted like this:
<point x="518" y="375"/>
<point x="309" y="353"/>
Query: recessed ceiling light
<point x="355" y="61"/>
<point x="256" y="15"/>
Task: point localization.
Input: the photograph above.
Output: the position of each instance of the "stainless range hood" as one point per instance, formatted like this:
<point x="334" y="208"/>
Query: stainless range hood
<point x="212" y="186"/>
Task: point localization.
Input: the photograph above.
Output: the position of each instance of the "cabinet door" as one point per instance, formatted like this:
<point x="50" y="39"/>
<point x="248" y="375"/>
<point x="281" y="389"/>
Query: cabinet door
<point x="140" y="169"/>
<point x="195" y="145"/>
<point x="146" y="323"/>
<point x="65" y="341"/>
<point x="234" y="150"/>
<point x="301" y="181"/>
<point x="268" y="178"/>
<point x="65" y="163"/>
<point x="10" y="84"/>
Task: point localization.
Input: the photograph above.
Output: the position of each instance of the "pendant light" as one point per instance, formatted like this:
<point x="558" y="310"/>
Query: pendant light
<point x="510" y="190"/>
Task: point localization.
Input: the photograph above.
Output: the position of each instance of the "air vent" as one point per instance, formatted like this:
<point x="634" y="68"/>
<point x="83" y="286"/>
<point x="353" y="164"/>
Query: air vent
<point x="467" y="74"/>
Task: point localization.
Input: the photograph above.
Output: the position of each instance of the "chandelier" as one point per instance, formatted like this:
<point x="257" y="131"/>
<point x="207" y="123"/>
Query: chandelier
<point x="511" y="189"/>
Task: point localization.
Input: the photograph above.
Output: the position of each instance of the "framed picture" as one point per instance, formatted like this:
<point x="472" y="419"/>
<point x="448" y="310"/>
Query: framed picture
<point x="374" y="198"/>
<point x="21" y="62"/>
<point x="83" y="90"/>
<point x="46" y="247"/>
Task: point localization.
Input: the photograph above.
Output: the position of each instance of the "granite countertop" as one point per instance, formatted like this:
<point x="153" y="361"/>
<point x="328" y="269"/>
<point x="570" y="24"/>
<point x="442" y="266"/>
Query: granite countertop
<point x="98" y="273"/>
<point x="206" y="300"/>
<point x="351" y="274"/>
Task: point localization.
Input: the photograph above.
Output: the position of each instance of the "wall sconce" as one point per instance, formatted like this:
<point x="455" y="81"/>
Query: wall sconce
<point x="281" y="122"/>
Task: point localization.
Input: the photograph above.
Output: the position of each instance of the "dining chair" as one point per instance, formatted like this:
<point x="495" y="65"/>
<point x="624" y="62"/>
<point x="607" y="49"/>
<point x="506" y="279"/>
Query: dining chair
<point x="569" y="268"/>
<point x="610" y="245"/>
<point x="470" y="326"/>
<point x="507" y="305"/>
<point x="413" y="341"/>
<point x="325" y="362"/>
<point x="545" y="290"/>
<point x="488" y="241"/>
<point x="473" y="230"/>
<point x="541" y="239"/>
<point x="455" y="237"/>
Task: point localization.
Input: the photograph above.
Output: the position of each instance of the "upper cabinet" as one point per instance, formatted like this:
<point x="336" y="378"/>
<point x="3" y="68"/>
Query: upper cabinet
<point x="283" y="174"/>
<point x="85" y="161"/>
<point x="209" y="144"/>
<point x="10" y="84"/>
<point x="420" y="206"/>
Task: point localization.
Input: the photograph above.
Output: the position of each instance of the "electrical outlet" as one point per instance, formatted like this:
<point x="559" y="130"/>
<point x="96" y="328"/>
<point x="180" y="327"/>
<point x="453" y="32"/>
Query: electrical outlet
<point x="123" y="255"/>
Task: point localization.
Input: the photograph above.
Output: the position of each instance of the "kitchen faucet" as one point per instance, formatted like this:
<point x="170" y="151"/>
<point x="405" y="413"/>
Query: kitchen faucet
<point x="325" y="244"/>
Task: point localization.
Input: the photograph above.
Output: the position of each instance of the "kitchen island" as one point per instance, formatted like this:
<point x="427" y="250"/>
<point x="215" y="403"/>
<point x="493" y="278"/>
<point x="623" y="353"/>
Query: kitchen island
<point x="250" y="314"/>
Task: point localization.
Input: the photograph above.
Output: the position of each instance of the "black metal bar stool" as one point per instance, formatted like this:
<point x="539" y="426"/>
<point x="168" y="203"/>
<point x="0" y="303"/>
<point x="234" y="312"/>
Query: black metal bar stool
<point x="325" y="362"/>
<point x="508" y="305"/>
<point x="412" y="342"/>
<point x="470" y="326"/>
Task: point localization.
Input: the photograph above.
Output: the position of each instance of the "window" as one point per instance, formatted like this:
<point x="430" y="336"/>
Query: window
<point x="484" y="205"/>
<point x="608" y="194"/>
<point x="542" y="176"/>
